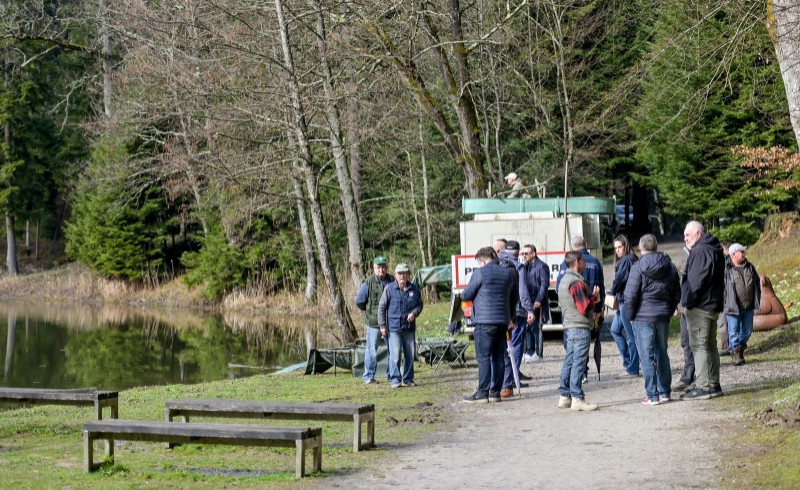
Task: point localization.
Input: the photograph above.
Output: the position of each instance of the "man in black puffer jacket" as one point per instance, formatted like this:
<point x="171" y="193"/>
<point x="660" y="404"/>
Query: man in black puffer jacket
<point x="702" y="292"/>
<point x="651" y="296"/>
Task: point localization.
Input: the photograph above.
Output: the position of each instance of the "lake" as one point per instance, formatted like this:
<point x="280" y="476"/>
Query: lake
<point x="114" y="348"/>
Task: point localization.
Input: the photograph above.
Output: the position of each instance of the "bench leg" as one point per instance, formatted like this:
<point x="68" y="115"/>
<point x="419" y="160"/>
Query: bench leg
<point x="170" y="417"/>
<point x="300" y="463"/>
<point x="98" y="409"/>
<point x="318" y="454"/>
<point x="88" y="452"/>
<point x="371" y="430"/>
<point x="356" y="433"/>
<point x="115" y="409"/>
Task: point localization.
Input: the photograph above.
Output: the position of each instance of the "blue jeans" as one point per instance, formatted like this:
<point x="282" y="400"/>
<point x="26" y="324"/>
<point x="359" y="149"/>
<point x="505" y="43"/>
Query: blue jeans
<point x="627" y="347"/>
<point x="490" y="342"/>
<point x="532" y="333"/>
<point x="403" y="342"/>
<point x="518" y="341"/>
<point x="371" y="353"/>
<point x="651" y="339"/>
<point x="578" y="340"/>
<point x="740" y="327"/>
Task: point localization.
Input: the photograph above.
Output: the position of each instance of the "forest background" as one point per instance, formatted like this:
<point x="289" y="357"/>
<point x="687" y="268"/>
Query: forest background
<point x="249" y="146"/>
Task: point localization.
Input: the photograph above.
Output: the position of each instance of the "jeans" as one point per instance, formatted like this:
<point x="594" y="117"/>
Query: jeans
<point x="702" y="326"/>
<point x="740" y="327"/>
<point x="578" y="340"/>
<point x="490" y="341"/>
<point x="627" y="347"/>
<point x="651" y="340"/>
<point x="532" y="334"/>
<point x="517" y="340"/>
<point x="371" y="353"/>
<point x="688" y="358"/>
<point x="403" y="342"/>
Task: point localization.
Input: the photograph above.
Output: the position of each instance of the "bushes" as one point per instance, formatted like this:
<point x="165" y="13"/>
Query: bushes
<point x="744" y="233"/>
<point x="218" y="266"/>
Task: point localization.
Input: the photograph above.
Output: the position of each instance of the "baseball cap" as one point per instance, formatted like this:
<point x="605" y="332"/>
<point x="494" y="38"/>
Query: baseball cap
<point x="736" y="247"/>
<point x="380" y="260"/>
<point x="401" y="268"/>
<point x="512" y="175"/>
<point x="512" y="246"/>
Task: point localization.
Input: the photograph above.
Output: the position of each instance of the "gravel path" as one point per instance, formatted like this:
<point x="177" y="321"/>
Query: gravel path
<point x="528" y="442"/>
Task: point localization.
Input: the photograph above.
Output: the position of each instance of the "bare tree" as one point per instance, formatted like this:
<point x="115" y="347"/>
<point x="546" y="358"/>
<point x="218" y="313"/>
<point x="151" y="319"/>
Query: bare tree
<point x="784" y="21"/>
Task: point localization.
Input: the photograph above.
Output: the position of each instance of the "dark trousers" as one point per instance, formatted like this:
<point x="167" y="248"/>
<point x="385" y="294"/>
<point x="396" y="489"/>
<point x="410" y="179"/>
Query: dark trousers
<point x="490" y="347"/>
<point x="688" y="358"/>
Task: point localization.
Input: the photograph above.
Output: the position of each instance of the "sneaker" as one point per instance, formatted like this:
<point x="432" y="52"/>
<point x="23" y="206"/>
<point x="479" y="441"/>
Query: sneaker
<point x="564" y="402"/>
<point x="396" y="385"/>
<point x="506" y="393"/>
<point x="524" y="377"/>
<point x="536" y="358"/>
<point x="410" y="384"/>
<point x="664" y="398"/>
<point x="475" y="398"/>
<point x="371" y="382"/>
<point x="585" y="379"/>
<point x="696" y="394"/>
<point x="650" y="403"/>
<point x="494" y="398"/>
<point x="626" y="374"/>
<point x="715" y="392"/>
<point x="579" y="405"/>
<point x="527" y="359"/>
<point x="681" y="386"/>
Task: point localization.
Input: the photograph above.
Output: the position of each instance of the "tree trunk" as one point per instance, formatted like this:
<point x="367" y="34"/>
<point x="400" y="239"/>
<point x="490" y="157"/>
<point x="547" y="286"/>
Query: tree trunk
<point x="107" y="61"/>
<point x="432" y="293"/>
<point x="784" y="19"/>
<point x="11" y="241"/>
<point x="354" y="240"/>
<point x="340" y="314"/>
<point x="354" y="144"/>
<point x="308" y="244"/>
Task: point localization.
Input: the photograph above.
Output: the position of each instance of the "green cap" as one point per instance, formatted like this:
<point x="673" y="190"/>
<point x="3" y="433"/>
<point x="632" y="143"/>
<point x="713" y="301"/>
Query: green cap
<point x="401" y="268"/>
<point x="380" y="260"/>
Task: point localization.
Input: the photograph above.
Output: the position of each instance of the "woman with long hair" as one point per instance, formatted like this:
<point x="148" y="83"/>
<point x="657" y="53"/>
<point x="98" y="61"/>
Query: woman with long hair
<point x="624" y="257"/>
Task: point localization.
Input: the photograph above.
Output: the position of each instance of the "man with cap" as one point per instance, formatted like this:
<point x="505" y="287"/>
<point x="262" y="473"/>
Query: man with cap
<point x="522" y="315"/>
<point x="742" y="298"/>
<point x="398" y="309"/>
<point x="367" y="299"/>
<point x="517" y="187"/>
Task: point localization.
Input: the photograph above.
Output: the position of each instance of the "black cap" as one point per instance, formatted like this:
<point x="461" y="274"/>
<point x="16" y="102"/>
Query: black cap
<point x="512" y="246"/>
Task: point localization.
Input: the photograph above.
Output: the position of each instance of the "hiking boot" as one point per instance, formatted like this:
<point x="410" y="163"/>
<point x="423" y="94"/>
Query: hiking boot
<point x="476" y="398"/>
<point x="507" y="392"/>
<point x="580" y="405"/>
<point x="736" y="354"/>
<point x="741" y="352"/>
<point x="564" y="402"/>
<point x="696" y="394"/>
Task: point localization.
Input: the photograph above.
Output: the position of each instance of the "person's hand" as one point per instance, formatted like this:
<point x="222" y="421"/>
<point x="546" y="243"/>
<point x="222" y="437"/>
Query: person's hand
<point x="531" y="318"/>
<point x="411" y="317"/>
<point x="536" y="305"/>
<point x="596" y="292"/>
<point x="512" y="325"/>
<point x="384" y="331"/>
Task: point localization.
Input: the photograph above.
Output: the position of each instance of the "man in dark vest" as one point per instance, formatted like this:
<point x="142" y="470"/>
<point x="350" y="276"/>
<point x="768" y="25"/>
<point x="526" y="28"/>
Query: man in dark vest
<point x="369" y="294"/>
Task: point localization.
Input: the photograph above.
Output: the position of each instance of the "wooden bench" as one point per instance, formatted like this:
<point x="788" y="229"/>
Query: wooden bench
<point x="358" y="413"/>
<point x="79" y="397"/>
<point x="302" y="438"/>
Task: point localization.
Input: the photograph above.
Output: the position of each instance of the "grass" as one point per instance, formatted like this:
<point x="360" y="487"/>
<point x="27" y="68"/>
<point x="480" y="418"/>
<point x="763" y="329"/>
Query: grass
<point x="42" y="446"/>
<point x="762" y="450"/>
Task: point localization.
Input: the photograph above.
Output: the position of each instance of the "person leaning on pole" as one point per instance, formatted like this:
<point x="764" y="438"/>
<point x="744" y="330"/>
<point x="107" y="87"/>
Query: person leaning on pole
<point x="494" y="301"/>
<point x="702" y="291"/>
<point x="367" y="299"/>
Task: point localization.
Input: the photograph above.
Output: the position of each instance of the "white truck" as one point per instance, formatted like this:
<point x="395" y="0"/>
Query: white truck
<point x="539" y="222"/>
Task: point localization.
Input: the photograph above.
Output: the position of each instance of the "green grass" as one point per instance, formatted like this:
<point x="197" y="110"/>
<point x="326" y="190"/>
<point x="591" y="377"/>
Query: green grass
<point x="42" y="446"/>
<point x="763" y="447"/>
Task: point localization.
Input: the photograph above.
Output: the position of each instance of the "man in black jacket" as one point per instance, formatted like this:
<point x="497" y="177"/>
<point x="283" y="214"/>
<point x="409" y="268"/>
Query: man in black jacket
<point x="702" y="291"/>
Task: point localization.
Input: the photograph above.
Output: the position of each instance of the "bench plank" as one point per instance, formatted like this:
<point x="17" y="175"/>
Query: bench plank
<point x="302" y="438"/>
<point x="75" y="397"/>
<point x="357" y="412"/>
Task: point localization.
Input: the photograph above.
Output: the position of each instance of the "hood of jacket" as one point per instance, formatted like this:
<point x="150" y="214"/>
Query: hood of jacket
<point x="655" y="265"/>
<point x="709" y="241"/>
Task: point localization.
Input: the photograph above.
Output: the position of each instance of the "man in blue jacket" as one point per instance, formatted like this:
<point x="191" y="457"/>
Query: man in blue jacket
<point x="538" y="282"/>
<point x="702" y="292"/>
<point x="494" y="301"/>
<point x="367" y="299"/>
<point x="521" y="317"/>
<point x="651" y="295"/>
<point x="398" y="309"/>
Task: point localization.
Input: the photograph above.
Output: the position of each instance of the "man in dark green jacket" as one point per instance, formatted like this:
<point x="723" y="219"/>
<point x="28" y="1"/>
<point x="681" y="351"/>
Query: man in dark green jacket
<point x="367" y="298"/>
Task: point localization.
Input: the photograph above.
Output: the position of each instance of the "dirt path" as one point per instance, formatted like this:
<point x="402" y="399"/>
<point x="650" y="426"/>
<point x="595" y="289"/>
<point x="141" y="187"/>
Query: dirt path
<point x="530" y="443"/>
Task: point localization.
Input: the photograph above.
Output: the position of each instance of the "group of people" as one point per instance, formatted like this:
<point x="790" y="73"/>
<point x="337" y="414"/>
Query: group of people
<point x="508" y="291"/>
<point x="390" y="306"/>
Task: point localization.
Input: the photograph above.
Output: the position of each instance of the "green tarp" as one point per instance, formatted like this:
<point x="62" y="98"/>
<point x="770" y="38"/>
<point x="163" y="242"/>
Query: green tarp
<point x="348" y="359"/>
<point x="438" y="274"/>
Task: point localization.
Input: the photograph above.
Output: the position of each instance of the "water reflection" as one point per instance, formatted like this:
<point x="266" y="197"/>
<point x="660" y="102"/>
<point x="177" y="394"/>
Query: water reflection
<point x="109" y="347"/>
